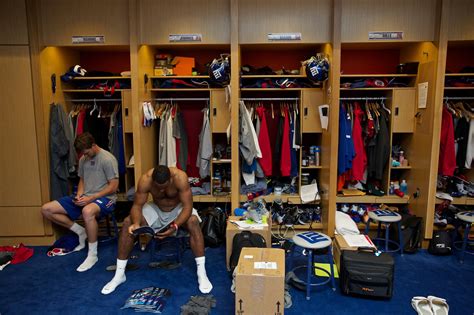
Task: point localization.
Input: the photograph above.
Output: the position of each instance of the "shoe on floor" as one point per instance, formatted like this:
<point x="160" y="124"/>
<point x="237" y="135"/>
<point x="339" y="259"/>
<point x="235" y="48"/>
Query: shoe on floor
<point x="439" y="306"/>
<point x="421" y="305"/>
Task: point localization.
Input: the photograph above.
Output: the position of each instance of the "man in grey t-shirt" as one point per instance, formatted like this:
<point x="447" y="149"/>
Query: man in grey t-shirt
<point x="95" y="197"/>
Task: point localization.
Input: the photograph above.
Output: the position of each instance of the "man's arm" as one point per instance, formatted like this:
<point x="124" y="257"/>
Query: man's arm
<point x="186" y="198"/>
<point x="141" y="197"/>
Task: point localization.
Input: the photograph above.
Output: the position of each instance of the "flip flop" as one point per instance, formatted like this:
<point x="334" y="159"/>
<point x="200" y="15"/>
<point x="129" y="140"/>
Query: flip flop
<point x="438" y="305"/>
<point x="164" y="265"/>
<point x="421" y="305"/>
<point x="128" y="268"/>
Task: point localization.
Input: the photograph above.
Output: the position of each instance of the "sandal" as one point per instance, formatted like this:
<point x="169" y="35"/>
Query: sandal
<point x="421" y="305"/>
<point x="439" y="306"/>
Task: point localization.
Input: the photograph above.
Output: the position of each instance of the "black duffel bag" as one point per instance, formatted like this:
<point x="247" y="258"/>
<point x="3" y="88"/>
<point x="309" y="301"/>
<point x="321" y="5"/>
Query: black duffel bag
<point x="213" y="226"/>
<point x="365" y="274"/>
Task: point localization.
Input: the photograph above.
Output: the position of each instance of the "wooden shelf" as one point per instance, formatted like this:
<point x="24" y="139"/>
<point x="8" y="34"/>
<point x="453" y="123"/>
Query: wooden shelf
<point x="91" y="91"/>
<point x="179" y="77"/>
<point x="102" y="78"/>
<point x="292" y="199"/>
<point x="311" y="167"/>
<point x="222" y="161"/>
<point x="183" y="89"/>
<point x="460" y="201"/>
<point x="210" y="198"/>
<point x="377" y="89"/>
<point x="400" y="168"/>
<point x="378" y="75"/>
<point x="459" y="74"/>
<point x="130" y="166"/>
<point x="315" y="226"/>
<point x="387" y="199"/>
<point x="459" y="88"/>
<point x="279" y="89"/>
<point x="257" y="76"/>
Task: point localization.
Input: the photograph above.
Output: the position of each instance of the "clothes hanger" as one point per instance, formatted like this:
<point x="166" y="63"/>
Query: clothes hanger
<point x="383" y="106"/>
<point x="94" y="108"/>
<point x="273" y="114"/>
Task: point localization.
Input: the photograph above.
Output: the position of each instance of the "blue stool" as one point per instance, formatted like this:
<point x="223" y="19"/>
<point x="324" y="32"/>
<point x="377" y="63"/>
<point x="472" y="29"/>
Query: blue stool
<point x="110" y="219"/>
<point x="468" y="218"/>
<point x="386" y="217"/>
<point x="175" y="246"/>
<point x="311" y="241"/>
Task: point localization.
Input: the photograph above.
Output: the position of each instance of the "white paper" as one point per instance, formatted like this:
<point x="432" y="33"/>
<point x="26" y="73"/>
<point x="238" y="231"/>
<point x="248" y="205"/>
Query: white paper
<point x="422" y="94"/>
<point x="324" y="116"/>
<point x="265" y="265"/>
<point x="309" y="193"/>
<point x="358" y="241"/>
<point x="245" y="225"/>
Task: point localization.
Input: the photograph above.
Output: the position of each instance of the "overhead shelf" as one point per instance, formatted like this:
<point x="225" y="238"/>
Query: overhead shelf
<point x="388" y="199"/>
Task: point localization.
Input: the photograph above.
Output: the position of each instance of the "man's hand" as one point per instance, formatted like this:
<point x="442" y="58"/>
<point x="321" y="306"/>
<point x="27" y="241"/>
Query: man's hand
<point x="83" y="200"/>
<point x="169" y="232"/>
<point x="133" y="227"/>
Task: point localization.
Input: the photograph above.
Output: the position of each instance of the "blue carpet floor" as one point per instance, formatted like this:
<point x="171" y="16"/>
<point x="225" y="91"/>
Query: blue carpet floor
<point x="51" y="285"/>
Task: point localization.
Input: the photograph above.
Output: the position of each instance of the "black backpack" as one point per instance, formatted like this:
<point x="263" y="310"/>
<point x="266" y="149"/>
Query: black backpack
<point x="213" y="226"/>
<point x="241" y="240"/>
<point x="440" y="244"/>
<point x="411" y="227"/>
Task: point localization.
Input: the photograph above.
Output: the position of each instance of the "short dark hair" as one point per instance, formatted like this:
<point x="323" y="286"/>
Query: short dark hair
<point x="84" y="141"/>
<point x="161" y="174"/>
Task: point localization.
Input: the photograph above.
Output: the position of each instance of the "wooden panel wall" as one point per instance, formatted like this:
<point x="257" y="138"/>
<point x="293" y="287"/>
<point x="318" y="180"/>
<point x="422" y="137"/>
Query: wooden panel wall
<point x="13" y="23"/>
<point x="312" y="18"/>
<point x="22" y="221"/>
<point x="417" y="19"/>
<point x="19" y="169"/>
<point x="158" y="19"/>
<point x="461" y="21"/>
<point x="60" y="20"/>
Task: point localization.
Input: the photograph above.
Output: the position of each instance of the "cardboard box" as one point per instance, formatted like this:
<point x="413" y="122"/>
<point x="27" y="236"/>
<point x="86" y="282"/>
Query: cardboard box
<point x="183" y="65"/>
<point x="232" y="229"/>
<point x="338" y="246"/>
<point x="260" y="282"/>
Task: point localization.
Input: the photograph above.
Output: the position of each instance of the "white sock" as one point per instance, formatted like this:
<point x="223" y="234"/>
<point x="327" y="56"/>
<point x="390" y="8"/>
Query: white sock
<point x="205" y="286"/>
<point x="91" y="258"/>
<point x="118" y="279"/>
<point x="81" y="232"/>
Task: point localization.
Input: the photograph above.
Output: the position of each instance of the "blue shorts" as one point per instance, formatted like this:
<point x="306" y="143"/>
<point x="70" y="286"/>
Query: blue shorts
<point x="74" y="212"/>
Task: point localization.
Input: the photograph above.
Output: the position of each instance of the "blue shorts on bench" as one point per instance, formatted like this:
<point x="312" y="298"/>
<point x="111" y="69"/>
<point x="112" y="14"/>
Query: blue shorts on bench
<point x="105" y="204"/>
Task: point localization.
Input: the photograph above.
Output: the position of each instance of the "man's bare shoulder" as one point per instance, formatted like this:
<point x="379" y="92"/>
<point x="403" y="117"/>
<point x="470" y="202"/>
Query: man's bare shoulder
<point x="144" y="184"/>
<point x="180" y="178"/>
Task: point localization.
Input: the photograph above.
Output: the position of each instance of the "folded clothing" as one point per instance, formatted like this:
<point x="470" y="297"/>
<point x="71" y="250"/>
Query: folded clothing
<point x="199" y="305"/>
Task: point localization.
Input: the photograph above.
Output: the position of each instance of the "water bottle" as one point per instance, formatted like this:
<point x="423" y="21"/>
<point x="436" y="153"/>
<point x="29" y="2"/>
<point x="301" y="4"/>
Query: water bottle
<point x="391" y="190"/>
<point x="404" y="187"/>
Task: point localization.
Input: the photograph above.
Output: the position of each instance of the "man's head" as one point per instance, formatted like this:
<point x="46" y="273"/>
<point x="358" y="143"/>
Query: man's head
<point x="161" y="175"/>
<point x="85" y="144"/>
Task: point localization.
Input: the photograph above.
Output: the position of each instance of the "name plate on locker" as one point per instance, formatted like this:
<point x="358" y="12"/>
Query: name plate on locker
<point x="385" y="35"/>
<point x="93" y="39"/>
<point x="284" y="36"/>
<point x="185" y="37"/>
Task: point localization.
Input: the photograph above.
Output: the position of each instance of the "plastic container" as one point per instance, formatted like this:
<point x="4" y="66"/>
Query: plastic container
<point x="317" y="154"/>
<point x="404" y="187"/>
<point x="277" y="192"/>
<point x="401" y="157"/>
<point x="391" y="190"/>
<point x="305" y="179"/>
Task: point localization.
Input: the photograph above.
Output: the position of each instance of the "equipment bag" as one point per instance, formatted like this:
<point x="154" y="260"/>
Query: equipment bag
<point x="241" y="240"/>
<point x="411" y="233"/>
<point x="363" y="273"/>
<point x="213" y="226"/>
<point x="440" y="244"/>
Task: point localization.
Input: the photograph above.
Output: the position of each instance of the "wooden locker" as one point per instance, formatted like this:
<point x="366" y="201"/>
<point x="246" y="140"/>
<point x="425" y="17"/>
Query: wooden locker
<point x="403" y="107"/>
<point x="22" y="221"/>
<point x="63" y="19"/>
<point x="461" y="24"/>
<point x="19" y="166"/>
<point x="13" y="23"/>
<point x="311" y="99"/>
<point x="220" y="113"/>
<point x="127" y="113"/>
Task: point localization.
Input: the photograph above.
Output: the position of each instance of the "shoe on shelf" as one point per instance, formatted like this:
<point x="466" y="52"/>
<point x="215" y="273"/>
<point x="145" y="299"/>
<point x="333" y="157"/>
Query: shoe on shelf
<point x="374" y="190"/>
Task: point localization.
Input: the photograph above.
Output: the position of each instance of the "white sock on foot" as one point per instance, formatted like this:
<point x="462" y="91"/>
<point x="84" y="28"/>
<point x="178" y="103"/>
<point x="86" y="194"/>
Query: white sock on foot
<point x="205" y="286"/>
<point x="81" y="232"/>
<point x="118" y="279"/>
<point x="91" y="258"/>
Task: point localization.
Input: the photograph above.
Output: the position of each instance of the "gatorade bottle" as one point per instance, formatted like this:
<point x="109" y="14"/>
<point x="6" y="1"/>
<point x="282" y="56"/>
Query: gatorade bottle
<point x="404" y="187"/>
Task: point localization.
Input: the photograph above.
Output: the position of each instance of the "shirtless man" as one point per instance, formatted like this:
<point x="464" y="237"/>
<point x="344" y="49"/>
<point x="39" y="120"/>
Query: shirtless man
<point x="172" y="205"/>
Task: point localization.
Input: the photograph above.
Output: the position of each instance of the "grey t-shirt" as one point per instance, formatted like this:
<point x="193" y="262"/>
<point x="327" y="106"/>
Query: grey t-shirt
<point x="97" y="172"/>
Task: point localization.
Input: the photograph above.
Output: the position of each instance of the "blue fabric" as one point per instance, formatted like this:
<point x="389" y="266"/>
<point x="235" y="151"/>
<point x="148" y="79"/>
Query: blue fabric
<point x="74" y="212"/>
<point x="68" y="242"/>
<point x="346" y="144"/>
